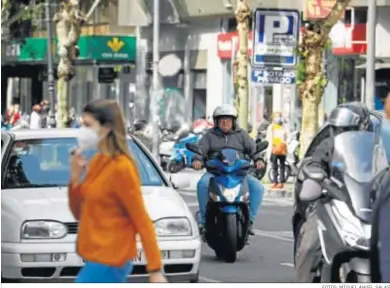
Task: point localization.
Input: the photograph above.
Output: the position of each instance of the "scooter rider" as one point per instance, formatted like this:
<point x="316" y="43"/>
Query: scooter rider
<point x="346" y="117"/>
<point x="226" y="134"/>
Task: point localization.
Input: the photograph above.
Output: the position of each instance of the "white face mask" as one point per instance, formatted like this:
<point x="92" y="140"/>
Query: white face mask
<point x="87" y="138"/>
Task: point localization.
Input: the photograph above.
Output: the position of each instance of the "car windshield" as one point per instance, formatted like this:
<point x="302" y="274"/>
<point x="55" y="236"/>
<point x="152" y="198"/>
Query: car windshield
<point x="45" y="163"/>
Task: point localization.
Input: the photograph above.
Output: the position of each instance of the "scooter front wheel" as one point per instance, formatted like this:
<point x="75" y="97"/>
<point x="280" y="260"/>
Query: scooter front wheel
<point x="230" y="238"/>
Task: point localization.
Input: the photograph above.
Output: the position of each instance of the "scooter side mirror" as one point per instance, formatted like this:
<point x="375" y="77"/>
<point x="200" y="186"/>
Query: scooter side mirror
<point x="194" y="148"/>
<point x="261" y="146"/>
<point x="313" y="173"/>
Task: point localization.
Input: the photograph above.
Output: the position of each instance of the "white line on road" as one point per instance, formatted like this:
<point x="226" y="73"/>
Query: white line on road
<point x="287" y="264"/>
<point x="209" y="280"/>
<point x="272" y="235"/>
<point x="192" y="204"/>
<point x="184" y="193"/>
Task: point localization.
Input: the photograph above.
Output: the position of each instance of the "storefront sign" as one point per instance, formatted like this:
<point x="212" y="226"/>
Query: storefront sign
<point x="276" y="37"/>
<point x="273" y="77"/>
<point x="355" y="43"/>
<point x="226" y="42"/>
<point x="99" y="48"/>
<point x="318" y="9"/>
<point x="107" y="48"/>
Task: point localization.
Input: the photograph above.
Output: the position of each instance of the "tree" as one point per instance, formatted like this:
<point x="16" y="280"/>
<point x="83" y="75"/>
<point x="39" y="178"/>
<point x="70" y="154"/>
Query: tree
<point x="311" y="79"/>
<point x="243" y="15"/>
<point x="68" y="20"/>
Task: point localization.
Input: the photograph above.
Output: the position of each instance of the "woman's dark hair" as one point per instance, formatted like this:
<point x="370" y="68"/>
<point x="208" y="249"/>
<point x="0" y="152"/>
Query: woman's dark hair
<point x="109" y="114"/>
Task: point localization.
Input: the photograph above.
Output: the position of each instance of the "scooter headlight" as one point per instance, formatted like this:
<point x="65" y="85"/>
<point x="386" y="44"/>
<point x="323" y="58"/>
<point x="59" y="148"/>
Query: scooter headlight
<point x="230" y="194"/>
<point x="353" y="231"/>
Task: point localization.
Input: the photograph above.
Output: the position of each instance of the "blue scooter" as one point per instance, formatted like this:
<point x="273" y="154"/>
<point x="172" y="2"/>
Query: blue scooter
<point x="227" y="212"/>
<point x="181" y="157"/>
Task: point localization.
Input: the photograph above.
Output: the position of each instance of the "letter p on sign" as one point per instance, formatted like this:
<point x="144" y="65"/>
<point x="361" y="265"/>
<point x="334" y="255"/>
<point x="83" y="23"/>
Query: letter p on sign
<point x="277" y="25"/>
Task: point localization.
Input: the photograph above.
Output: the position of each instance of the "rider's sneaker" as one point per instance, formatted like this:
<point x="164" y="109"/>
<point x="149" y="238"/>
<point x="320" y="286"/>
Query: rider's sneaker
<point x="274" y="185"/>
<point x="250" y="229"/>
<point x="280" y="186"/>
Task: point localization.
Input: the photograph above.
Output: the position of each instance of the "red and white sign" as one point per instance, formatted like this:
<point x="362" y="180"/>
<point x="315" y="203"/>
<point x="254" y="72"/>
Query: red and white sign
<point x="355" y="43"/>
<point x="226" y="41"/>
<point x="319" y="9"/>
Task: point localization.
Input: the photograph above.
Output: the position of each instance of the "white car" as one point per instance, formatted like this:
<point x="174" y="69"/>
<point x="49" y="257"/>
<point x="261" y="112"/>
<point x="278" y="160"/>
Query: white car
<point x="39" y="232"/>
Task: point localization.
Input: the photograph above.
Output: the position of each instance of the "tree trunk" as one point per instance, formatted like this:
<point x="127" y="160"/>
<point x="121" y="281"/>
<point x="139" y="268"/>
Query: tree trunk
<point x="312" y="81"/>
<point x="68" y="26"/>
<point x="243" y="14"/>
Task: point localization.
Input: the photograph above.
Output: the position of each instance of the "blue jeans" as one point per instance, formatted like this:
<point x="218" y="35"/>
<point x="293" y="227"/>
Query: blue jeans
<point x="256" y="193"/>
<point x="94" y="272"/>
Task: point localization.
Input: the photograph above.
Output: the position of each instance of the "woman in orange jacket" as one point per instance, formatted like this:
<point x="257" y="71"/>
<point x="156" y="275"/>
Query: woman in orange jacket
<point x="108" y="201"/>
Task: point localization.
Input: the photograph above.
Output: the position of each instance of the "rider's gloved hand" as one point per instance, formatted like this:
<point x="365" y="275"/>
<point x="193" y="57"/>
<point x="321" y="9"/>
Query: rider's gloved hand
<point x="197" y="165"/>
<point x="259" y="164"/>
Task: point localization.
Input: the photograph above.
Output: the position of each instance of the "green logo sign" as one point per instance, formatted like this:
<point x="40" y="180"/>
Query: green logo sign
<point x="94" y="48"/>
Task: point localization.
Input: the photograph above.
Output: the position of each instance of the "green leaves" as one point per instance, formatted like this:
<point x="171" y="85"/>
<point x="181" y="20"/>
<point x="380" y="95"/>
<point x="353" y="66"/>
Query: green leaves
<point x="301" y="71"/>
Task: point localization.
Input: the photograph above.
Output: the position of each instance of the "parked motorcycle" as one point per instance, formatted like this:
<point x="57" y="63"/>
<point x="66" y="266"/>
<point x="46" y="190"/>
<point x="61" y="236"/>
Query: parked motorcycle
<point x="227" y="213"/>
<point x="292" y="158"/>
<point x="168" y="140"/>
<point x="344" y="210"/>
<point x="181" y="157"/>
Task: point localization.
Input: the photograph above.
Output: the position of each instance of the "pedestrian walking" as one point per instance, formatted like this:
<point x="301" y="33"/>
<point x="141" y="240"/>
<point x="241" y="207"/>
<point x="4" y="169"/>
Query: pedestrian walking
<point x="36" y="117"/>
<point x="108" y="203"/>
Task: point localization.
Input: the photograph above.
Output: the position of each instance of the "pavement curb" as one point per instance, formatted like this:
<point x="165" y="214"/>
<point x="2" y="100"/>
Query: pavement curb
<point x="286" y="192"/>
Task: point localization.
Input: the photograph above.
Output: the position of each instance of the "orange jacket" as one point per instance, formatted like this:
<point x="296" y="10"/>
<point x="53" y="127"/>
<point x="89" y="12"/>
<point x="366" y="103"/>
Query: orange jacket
<point x="111" y="211"/>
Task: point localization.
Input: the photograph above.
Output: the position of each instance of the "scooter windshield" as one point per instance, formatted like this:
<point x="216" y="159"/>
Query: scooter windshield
<point x="357" y="159"/>
<point x="228" y="156"/>
<point x="356" y="153"/>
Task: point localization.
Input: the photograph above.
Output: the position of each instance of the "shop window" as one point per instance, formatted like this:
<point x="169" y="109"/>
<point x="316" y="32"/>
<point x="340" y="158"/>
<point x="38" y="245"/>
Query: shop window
<point x="357" y="15"/>
<point x="346" y="82"/>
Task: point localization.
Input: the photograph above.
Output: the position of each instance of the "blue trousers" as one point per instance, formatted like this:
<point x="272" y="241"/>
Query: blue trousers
<point x="256" y="193"/>
<point x="94" y="272"/>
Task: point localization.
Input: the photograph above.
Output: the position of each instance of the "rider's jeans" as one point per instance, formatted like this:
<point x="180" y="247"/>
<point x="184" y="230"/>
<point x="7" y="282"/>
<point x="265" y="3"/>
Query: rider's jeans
<point x="256" y="193"/>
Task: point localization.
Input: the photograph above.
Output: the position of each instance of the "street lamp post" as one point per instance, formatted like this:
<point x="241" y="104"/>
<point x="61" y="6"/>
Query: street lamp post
<point x="370" y="63"/>
<point x="156" y="80"/>
<point x="50" y="71"/>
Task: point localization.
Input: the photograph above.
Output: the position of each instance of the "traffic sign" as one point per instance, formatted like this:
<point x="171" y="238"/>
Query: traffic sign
<point x="275" y="37"/>
<point x="273" y="77"/>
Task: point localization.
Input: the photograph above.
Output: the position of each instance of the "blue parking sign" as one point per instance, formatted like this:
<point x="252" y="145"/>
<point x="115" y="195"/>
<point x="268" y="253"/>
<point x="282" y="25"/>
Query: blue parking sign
<point x="276" y="36"/>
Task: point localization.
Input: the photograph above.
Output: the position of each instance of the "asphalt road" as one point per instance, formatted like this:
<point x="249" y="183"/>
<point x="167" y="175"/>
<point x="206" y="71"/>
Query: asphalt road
<point x="268" y="258"/>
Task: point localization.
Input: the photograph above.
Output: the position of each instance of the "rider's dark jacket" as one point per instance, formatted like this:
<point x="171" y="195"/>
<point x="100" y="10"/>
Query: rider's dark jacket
<point x="215" y="140"/>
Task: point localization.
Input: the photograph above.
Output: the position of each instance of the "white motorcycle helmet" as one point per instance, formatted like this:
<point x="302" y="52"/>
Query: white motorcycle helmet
<point x="226" y="110"/>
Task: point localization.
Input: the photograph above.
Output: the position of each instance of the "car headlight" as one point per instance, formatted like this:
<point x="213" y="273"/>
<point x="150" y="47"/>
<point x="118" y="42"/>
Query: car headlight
<point x="173" y="227"/>
<point x="353" y="231"/>
<point x="231" y="194"/>
<point x="43" y="230"/>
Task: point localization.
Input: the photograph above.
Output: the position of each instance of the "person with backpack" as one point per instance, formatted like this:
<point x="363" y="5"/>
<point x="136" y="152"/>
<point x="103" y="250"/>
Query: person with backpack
<point x="277" y="134"/>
